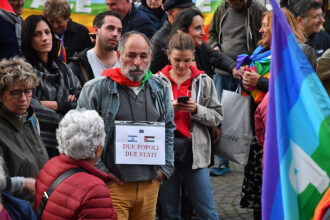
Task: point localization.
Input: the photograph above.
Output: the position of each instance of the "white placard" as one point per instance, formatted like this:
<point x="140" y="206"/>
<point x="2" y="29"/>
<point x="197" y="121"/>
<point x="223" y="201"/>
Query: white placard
<point x="139" y="143"/>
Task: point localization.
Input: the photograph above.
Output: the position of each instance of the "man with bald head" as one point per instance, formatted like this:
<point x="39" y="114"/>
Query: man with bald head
<point x="133" y="19"/>
<point x="131" y="93"/>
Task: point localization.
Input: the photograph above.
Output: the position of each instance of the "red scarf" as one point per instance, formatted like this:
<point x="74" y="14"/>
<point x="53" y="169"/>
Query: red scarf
<point x="116" y="75"/>
<point x="4" y="4"/>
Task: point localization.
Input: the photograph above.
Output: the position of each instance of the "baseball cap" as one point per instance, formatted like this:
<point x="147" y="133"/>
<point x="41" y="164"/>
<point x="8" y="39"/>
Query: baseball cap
<point x="169" y="4"/>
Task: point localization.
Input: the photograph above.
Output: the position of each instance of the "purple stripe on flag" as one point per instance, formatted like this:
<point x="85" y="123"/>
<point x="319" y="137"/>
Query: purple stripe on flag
<point x="271" y="171"/>
<point x="281" y="42"/>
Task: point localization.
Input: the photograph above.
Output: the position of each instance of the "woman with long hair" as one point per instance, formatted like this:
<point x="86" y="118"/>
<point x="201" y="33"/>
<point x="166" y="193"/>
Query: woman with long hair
<point x="58" y="88"/>
<point x="197" y="109"/>
<point x="191" y="21"/>
<point x="255" y="82"/>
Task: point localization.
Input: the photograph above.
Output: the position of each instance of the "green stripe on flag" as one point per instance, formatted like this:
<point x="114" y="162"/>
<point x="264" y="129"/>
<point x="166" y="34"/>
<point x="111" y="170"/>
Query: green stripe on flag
<point x="310" y="197"/>
<point x="95" y="8"/>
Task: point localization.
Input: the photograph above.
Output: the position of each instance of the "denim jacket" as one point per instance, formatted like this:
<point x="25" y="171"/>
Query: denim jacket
<point x="101" y="95"/>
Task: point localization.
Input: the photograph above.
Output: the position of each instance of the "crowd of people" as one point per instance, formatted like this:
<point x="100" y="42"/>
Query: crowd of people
<point x="64" y="92"/>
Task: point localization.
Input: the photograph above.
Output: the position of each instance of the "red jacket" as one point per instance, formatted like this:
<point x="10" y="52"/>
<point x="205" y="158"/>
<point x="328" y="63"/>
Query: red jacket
<point x="81" y="196"/>
<point x="181" y="119"/>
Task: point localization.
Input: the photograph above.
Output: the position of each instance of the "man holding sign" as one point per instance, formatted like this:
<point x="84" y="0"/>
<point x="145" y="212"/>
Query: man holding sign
<point x="140" y="104"/>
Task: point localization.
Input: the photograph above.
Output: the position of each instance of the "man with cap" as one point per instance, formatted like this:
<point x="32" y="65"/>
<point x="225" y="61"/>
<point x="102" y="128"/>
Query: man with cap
<point x="159" y="56"/>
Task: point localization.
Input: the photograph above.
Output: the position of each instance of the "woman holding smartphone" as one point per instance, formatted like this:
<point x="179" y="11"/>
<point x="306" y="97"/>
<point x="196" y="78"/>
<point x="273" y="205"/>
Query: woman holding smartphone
<point x="193" y="117"/>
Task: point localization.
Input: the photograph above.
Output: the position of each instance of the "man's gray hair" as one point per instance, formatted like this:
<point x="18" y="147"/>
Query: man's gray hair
<point x="79" y="133"/>
<point x="124" y="38"/>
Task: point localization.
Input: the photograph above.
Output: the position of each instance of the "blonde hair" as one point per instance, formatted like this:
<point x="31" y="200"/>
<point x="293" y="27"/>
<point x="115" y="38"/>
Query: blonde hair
<point x="16" y="71"/>
<point x="181" y="41"/>
<point x="56" y="9"/>
<point x="297" y="31"/>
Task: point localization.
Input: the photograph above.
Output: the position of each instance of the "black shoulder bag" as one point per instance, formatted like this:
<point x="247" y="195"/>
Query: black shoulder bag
<point x="47" y="194"/>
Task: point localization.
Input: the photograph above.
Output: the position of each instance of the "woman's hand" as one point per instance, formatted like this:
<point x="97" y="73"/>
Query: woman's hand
<point x="237" y="74"/>
<point x="29" y="185"/>
<point x="72" y="98"/>
<point x="250" y="78"/>
<point x="189" y="106"/>
<point x="176" y="105"/>
<point x="216" y="134"/>
<point x="50" y="104"/>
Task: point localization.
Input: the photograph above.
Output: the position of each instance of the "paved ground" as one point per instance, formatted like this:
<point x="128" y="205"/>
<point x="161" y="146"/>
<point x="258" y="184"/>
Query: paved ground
<point x="226" y="191"/>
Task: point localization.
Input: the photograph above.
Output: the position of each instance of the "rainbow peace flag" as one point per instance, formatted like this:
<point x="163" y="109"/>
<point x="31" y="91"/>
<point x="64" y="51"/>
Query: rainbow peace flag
<point x="82" y="12"/>
<point x="297" y="152"/>
<point x="208" y="8"/>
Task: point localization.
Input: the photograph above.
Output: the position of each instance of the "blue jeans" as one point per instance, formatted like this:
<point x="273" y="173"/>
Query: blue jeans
<point x="222" y="82"/>
<point x="199" y="187"/>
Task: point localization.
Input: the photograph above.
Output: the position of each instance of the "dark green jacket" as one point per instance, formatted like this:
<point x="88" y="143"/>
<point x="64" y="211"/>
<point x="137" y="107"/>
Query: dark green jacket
<point x="22" y="149"/>
<point x="252" y="25"/>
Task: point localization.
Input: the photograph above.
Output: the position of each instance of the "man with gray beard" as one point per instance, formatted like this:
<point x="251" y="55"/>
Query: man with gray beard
<point x="90" y="63"/>
<point x="131" y="93"/>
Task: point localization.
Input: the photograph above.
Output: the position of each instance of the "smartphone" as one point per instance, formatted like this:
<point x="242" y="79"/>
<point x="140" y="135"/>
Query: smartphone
<point x="183" y="99"/>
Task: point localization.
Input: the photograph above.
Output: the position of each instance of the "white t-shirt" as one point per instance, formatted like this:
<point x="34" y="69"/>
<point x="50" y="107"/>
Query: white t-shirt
<point x="97" y="65"/>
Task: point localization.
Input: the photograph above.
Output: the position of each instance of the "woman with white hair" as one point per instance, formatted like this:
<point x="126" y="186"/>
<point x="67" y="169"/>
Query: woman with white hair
<point x="83" y="195"/>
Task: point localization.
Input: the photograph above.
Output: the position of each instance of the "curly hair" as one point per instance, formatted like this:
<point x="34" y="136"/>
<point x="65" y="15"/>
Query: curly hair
<point x="297" y="31"/>
<point x="16" y="71"/>
<point x="79" y="133"/>
<point x="269" y="16"/>
<point x="57" y="8"/>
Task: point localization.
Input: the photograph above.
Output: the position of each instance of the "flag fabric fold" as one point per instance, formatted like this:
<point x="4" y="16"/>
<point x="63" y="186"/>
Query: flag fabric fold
<point x="297" y="150"/>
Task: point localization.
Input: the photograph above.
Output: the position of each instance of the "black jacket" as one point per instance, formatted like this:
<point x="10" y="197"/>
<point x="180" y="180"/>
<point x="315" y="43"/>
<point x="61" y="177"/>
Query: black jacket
<point x="207" y="59"/>
<point x="76" y="38"/>
<point x="159" y="56"/>
<point x="138" y="20"/>
<point x="9" y="45"/>
<point x="80" y="60"/>
<point x="320" y="42"/>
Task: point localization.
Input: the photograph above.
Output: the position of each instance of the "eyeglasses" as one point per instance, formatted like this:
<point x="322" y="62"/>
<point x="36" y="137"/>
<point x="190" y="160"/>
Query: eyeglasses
<point x="16" y="94"/>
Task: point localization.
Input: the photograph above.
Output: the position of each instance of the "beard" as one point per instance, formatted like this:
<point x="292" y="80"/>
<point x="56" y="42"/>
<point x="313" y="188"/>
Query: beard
<point x="135" y="74"/>
<point x="103" y="44"/>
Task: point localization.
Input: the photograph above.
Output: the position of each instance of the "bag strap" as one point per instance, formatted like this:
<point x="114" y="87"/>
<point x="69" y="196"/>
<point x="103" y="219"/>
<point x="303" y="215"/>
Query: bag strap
<point x="58" y="181"/>
<point x="83" y="70"/>
<point x="239" y="89"/>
